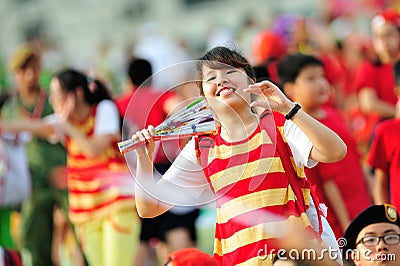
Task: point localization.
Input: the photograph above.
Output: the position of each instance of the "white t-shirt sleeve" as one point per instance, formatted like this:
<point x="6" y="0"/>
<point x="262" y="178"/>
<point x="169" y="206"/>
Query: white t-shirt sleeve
<point x="186" y="172"/>
<point x="53" y="120"/>
<point x="299" y="144"/>
<point x="107" y="118"/>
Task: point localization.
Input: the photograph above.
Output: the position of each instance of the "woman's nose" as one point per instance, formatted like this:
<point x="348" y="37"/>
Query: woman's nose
<point x="222" y="80"/>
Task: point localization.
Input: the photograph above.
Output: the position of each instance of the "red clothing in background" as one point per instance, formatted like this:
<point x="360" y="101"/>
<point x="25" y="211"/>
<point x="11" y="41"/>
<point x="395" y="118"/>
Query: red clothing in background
<point x="385" y="155"/>
<point x="347" y="174"/>
<point x="143" y="107"/>
<point x="378" y="77"/>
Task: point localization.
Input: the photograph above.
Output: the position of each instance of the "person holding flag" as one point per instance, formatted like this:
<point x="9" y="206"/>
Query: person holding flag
<point x="261" y="191"/>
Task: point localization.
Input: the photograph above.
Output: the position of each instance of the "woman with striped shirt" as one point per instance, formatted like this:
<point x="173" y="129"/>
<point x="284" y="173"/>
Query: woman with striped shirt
<point x="255" y="199"/>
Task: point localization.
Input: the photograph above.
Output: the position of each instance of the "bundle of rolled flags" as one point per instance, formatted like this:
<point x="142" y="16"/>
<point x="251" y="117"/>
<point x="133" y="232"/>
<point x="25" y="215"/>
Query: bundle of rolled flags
<point x="194" y="119"/>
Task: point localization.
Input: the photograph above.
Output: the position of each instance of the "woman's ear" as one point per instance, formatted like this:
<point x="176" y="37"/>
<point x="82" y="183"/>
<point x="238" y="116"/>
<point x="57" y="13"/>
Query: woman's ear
<point x="79" y="93"/>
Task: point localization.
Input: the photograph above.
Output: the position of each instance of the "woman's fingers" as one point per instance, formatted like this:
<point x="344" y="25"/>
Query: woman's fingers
<point x="274" y="98"/>
<point x="264" y="88"/>
<point x="151" y="130"/>
<point x="144" y="135"/>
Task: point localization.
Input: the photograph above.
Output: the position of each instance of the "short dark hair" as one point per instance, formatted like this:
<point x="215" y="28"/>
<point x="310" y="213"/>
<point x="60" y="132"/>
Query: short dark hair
<point x="290" y="66"/>
<point x="139" y="71"/>
<point x="220" y="54"/>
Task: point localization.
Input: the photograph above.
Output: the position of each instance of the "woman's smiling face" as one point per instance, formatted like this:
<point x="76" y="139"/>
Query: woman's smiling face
<point x="225" y="84"/>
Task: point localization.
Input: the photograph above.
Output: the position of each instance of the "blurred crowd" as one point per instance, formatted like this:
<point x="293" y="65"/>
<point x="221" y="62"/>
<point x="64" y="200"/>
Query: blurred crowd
<point x="44" y="211"/>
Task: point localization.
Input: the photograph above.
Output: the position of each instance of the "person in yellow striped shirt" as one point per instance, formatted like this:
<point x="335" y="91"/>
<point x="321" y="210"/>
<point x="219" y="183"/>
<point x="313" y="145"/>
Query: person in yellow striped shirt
<point x="256" y="203"/>
<point x="100" y="187"/>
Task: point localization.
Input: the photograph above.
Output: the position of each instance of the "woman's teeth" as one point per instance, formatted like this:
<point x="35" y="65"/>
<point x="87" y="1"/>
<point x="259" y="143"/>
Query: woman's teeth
<point x="225" y="91"/>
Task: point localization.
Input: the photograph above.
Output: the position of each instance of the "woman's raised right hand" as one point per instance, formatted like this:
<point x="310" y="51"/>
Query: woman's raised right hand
<point x="146" y="136"/>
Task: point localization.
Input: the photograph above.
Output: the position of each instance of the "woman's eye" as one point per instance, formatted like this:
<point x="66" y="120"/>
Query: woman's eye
<point x="210" y="79"/>
<point x="231" y="71"/>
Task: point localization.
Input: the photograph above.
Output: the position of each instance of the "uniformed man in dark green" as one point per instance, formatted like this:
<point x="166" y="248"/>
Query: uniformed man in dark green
<point x="47" y="160"/>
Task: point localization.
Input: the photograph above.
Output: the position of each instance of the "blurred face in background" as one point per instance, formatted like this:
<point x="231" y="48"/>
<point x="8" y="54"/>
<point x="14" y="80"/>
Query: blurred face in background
<point x="57" y="95"/>
<point x="27" y="77"/>
<point x="386" y="41"/>
<point x="311" y="88"/>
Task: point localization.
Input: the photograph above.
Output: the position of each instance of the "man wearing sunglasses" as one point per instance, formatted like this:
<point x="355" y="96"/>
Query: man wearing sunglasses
<point x="373" y="237"/>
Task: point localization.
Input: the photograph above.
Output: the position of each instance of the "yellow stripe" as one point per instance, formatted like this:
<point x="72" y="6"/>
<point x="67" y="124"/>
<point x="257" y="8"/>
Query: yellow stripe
<point x="247" y="170"/>
<point x="282" y="133"/>
<point x="86" y="201"/>
<point x="102" y="212"/>
<point x="87" y="162"/>
<point x="257" y="233"/>
<point x="257" y="200"/>
<point x="84" y="185"/>
<point x="299" y="171"/>
<point x="225" y="152"/>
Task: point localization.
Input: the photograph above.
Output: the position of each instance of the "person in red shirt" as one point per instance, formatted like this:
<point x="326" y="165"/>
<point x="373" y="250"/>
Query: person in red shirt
<point x="384" y="156"/>
<point x="374" y="81"/>
<point x="141" y="107"/>
<point x="303" y="80"/>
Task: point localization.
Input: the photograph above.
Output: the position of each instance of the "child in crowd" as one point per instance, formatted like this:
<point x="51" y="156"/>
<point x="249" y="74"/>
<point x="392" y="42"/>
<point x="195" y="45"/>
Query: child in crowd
<point x="303" y="80"/>
<point x="374" y="80"/>
<point x="384" y="155"/>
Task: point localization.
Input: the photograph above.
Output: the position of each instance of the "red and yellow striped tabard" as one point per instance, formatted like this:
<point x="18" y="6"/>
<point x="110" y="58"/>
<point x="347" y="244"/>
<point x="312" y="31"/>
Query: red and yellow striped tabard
<point x="96" y="185"/>
<point x="253" y="198"/>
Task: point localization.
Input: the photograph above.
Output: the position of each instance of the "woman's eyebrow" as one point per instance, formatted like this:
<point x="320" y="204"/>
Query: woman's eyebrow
<point x="209" y="73"/>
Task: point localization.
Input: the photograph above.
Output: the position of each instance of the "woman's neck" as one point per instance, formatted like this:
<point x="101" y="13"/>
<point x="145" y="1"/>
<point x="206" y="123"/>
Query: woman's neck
<point x="238" y="126"/>
<point x="28" y="96"/>
<point x="81" y="112"/>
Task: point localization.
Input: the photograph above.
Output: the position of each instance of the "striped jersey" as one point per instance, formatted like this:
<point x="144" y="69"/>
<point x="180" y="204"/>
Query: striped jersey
<point x="254" y="198"/>
<point x="96" y="185"/>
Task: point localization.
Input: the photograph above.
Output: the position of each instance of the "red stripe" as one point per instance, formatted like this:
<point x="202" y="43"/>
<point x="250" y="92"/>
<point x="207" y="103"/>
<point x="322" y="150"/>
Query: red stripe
<point x="254" y="250"/>
<point x="102" y="187"/>
<point x="245" y="187"/>
<point x="262" y="151"/>
<point x="256" y="217"/>
<point x="261" y="249"/>
<point x="255" y="184"/>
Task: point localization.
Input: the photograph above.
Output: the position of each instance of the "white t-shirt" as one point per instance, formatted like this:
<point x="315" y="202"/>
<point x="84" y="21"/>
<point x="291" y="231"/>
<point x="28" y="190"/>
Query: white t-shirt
<point x="187" y="173"/>
<point x="107" y="118"/>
